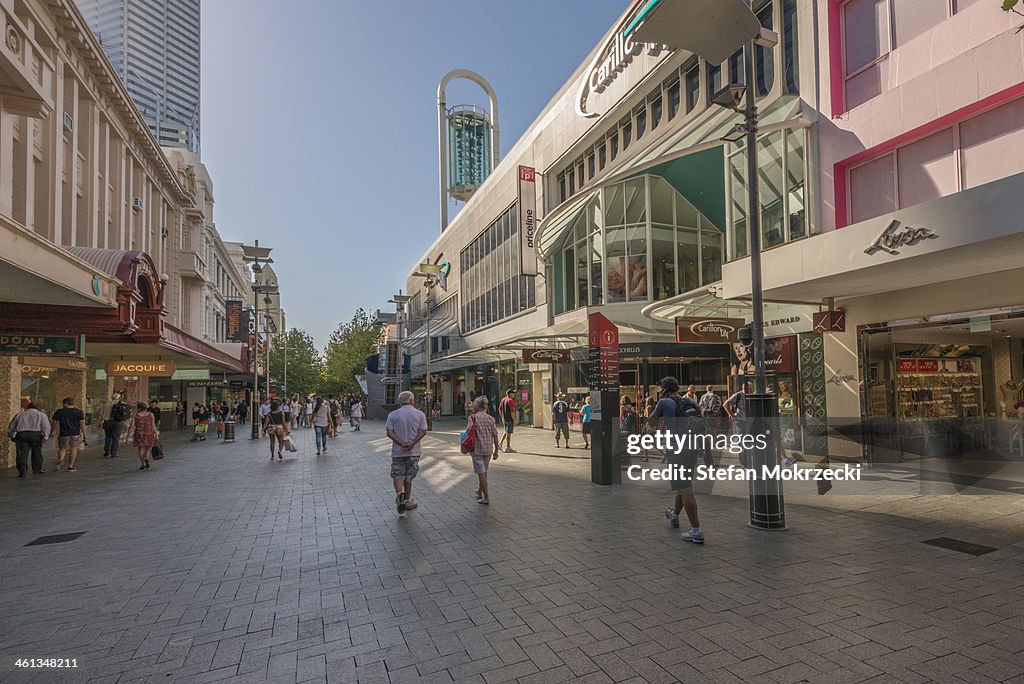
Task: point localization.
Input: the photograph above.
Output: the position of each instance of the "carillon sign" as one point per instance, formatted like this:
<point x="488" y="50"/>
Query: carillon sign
<point x="708" y="330"/>
<point x="546" y="356"/>
<point x="141" y="368"/>
<point x="610" y="61"/>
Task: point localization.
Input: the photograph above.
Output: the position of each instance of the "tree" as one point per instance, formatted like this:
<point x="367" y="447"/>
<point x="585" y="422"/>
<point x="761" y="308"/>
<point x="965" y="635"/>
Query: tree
<point x="305" y="365"/>
<point x="345" y="356"/>
<point x="1011" y="6"/>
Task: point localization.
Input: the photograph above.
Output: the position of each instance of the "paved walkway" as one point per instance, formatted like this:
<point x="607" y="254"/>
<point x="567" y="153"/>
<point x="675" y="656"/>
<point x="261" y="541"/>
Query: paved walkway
<point x="218" y="565"/>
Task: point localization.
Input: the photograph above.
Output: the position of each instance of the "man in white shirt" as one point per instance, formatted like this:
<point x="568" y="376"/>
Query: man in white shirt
<point x="406" y="426"/>
<point x="29" y="429"/>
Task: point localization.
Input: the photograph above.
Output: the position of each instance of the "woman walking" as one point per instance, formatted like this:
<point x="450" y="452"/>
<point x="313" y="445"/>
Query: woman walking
<point x="323" y="423"/>
<point x="485" y="447"/>
<point x="143" y="431"/>
<point x="276" y="426"/>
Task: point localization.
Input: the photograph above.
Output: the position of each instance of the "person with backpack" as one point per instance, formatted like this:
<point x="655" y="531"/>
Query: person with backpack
<point x="628" y="423"/>
<point x="332" y="405"/>
<point x="113" y="426"/>
<point x="507" y="412"/>
<point x="680" y="415"/>
<point x="560" y="419"/>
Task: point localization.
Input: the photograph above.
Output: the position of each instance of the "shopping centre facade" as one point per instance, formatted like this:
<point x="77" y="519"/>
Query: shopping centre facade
<point x="886" y="199"/>
<point x="112" y="273"/>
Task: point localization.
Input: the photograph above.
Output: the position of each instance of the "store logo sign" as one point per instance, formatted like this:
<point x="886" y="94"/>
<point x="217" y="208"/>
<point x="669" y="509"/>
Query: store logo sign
<point x="841" y="378"/>
<point x="893" y="238"/>
<point x="141" y="368"/>
<point x="611" y="60"/>
<point x="546" y="356"/>
<point x="708" y="330"/>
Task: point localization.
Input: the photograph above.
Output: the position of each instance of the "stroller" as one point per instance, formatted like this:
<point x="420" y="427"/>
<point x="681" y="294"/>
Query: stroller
<point x="200" y="431"/>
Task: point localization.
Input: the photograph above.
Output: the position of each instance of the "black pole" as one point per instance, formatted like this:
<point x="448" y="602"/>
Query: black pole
<point x="767" y="504"/>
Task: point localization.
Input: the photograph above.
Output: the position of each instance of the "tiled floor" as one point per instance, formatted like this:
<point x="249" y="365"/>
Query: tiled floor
<point x="217" y="564"/>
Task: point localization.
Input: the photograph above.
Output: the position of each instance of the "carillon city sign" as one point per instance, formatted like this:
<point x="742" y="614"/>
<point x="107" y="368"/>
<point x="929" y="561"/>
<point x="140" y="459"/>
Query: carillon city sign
<point x="708" y="330"/>
<point x="611" y="60"/>
<point x="546" y="356"/>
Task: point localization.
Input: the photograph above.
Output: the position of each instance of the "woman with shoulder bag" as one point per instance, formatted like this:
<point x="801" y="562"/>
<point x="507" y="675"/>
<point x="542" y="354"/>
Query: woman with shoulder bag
<point x="144" y="435"/>
<point x="485" y="446"/>
<point x="276" y="427"/>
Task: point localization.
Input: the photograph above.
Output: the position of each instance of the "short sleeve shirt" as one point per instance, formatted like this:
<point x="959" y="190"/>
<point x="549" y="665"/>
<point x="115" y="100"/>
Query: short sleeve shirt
<point x="406" y="422"/>
<point x="560" y="409"/>
<point x="69" y="420"/>
<point x="738" y="404"/>
<point x="508" y="407"/>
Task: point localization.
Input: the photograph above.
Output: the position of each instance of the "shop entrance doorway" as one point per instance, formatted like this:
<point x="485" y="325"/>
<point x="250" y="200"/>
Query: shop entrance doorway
<point x="949" y="388"/>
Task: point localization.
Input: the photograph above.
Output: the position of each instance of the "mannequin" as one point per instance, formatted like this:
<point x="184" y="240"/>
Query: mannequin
<point x="1008" y="395"/>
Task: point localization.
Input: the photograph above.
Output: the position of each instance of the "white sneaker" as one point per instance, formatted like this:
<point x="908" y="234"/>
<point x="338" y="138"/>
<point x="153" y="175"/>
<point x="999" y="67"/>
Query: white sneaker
<point x="693" y="536"/>
<point x="509" y="450"/>
<point x="672" y="517"/>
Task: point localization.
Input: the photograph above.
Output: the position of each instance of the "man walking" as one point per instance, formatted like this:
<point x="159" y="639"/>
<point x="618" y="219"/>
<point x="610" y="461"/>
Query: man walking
<point x="29" y="429"/>
<point x="405" y="426"/>
<point x="736" y="407"/>
<point x="560" y="419"/>
<point x="120" y="413"/>
<point x="70" y="424"/>
<point x="507" y="411"/>
<point x="711" y="409"/>
<point x="677" y="413"/>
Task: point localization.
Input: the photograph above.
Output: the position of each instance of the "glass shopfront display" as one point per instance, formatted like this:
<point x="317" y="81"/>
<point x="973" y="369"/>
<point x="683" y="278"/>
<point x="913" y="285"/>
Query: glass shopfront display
<point x="635" y="241"/>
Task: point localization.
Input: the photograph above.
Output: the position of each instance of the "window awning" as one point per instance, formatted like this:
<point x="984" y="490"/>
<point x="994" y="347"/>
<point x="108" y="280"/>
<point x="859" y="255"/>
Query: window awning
<point x="553" y="226"/>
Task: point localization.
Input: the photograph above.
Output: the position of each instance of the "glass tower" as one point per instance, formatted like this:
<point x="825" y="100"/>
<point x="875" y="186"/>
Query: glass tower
<point x="154" y="46"/>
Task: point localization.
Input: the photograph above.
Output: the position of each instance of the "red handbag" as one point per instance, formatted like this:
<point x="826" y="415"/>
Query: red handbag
<point x="468" y="439"/>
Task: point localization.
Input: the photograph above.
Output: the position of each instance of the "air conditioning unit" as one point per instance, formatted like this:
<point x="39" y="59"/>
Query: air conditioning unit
<point x="137" y="204"/>
<point x="69" y="122"/>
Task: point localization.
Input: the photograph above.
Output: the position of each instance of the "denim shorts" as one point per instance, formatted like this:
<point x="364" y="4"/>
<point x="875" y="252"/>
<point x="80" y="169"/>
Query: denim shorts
<point x="405" y="467"/>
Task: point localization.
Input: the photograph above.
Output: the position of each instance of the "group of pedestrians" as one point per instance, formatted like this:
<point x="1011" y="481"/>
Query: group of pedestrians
<point x="325" y="415"/>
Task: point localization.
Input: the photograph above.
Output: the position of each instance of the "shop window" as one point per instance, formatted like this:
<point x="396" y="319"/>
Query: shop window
<point x="795" y="184"/>
<point x="738" y="203"/>
<point x="926" y="169"/>
<point x="688" y="258"/>
<point x="872" y="189"/>
<point x="582" y="268"/>
<point x="663" y="261"/>
<point x="656" y="109"/>
<point x="790" y="53"/>
<point x="672" y="93"/>
<point x="636" y="274"/>
<point x="616" y="241"/>
<point x="636" y="201"/>
<point x="764" y="61"/>
<point x="993" y="144"/>
<point x="691" y="78"/>
<point x="714" y="80"/>
<point x="569" y="278"/>
<point x="662" y="202"/>
<point x="772" y="186"/>
<point x="614" y="207"/>
<point x="711" y="256"/>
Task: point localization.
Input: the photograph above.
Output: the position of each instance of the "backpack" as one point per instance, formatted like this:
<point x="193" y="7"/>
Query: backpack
<point x="629" y="420"/>
<point x="121" y="412"/>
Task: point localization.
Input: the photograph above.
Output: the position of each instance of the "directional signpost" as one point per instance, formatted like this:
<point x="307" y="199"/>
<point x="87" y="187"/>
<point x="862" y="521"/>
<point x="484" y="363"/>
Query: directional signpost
<point x="604" y="400"/>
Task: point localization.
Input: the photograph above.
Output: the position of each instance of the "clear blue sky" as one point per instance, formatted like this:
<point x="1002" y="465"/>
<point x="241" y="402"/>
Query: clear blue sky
<point x="319" y="125"/>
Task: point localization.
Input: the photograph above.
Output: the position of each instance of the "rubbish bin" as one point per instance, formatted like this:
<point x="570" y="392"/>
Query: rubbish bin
<point x="229" y="431"/>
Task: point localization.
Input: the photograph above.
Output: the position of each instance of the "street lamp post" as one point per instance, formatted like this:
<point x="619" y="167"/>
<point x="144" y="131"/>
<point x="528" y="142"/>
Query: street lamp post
<point x="258" y="257"/>
<point x="714" y="29"/>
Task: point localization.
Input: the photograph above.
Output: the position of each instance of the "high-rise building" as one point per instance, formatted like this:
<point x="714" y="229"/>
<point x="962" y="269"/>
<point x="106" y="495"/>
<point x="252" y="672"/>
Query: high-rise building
<point x="154" y="46"/>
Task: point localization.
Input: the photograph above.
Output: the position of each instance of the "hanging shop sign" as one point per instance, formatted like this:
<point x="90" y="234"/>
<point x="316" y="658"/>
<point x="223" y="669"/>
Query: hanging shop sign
<point x="18" y="344"/>
<point x="527" y="220"/>
<point x="708" y="330"/>
<point x="547" y="356"/>
<point x="611" y="60"/>
<point x="191" y="374"/>
<point x="829" y="321"/>
<point x="56" y="362"/>
<point x="894" y="237"/>
<point x="141" y="368"/>
<point x="236" y="331"/>
<point x="780" y="354"/>
<point x="212" y="382"/>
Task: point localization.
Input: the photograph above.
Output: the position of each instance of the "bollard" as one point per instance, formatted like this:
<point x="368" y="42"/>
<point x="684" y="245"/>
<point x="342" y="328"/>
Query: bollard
<point x="767" y="504"/>
<point x="229" y="431"/>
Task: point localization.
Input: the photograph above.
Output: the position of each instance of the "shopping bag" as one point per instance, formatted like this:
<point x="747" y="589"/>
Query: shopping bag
<point x="467" y="439"/>
<point x="289" y="444"/>
<point x="157" y="452"/>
